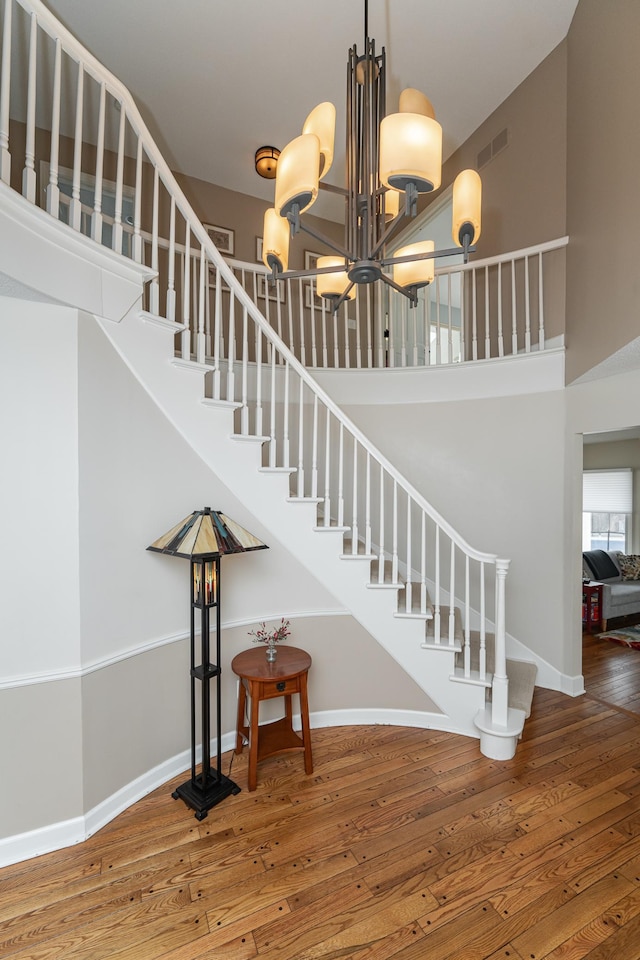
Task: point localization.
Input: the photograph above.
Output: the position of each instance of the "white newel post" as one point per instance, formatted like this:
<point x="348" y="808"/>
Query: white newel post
<point x="500" y="688"/>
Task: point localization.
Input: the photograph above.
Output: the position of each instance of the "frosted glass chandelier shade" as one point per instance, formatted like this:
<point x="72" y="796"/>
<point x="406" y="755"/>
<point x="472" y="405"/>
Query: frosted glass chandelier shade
<point x="466" y="215"/>
<point x="410" y="152"/>
<point x="414" y="101"/>
<point x="333" y="284"/>
<point x="415" y="273"/>
<point x="322" y="122"/>
<point x="298" y="174"/>
<point x="275" y="241"/>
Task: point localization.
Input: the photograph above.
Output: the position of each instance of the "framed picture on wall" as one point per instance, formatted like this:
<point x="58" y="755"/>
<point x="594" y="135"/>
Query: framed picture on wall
<point x="277" y="293"/>
<point x="224" y="239"/>
<point x="311" y="259"/>
<point x="310" y="297"/>
<point x="259" y="249"/>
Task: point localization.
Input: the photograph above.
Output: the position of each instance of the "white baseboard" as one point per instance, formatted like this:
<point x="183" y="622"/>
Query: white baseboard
<point x="55" y="836"/>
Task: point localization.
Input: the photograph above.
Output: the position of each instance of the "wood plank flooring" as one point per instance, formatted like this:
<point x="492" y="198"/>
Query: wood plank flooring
<point x="404" y="844"/>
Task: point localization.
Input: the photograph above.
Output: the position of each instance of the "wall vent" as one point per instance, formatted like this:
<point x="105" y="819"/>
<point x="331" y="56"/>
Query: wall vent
<point x="492" y="149"/>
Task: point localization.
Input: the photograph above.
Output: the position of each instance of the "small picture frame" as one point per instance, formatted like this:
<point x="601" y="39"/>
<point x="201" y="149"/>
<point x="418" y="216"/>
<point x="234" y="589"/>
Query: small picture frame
<point x="224" y="239"/>
<point x="311" y="259"/>
<point x="259" y="249"/>
<point x="267" y="290"/>
<point x="311" y="299"/>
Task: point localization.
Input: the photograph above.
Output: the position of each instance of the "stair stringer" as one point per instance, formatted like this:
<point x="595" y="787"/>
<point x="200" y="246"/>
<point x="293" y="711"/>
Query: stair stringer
<point x="146" y="347"/>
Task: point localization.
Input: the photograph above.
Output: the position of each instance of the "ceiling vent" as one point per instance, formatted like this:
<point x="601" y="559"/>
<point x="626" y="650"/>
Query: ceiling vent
<point x="492" y="149"/>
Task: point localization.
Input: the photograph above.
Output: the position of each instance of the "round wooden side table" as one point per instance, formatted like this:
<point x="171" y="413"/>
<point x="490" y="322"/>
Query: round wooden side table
<point x="260" y="680"/>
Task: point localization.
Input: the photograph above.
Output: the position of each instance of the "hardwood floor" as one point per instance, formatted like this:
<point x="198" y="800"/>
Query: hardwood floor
<point x="404" y="844"/>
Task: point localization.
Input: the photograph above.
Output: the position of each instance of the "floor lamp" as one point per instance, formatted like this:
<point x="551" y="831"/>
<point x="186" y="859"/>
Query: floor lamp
<point x="203" y="538"/>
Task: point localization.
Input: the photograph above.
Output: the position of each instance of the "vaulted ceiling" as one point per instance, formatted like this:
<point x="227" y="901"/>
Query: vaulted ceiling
<point x="215" y="80"/>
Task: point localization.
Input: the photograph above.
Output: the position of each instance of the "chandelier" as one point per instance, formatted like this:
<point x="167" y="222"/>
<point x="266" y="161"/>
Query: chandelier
<point x="390" y="160"/>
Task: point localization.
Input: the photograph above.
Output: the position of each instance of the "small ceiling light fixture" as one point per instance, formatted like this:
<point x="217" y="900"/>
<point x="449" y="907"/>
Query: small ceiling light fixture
<point x="390" y="160"/>
<point x="267" y="162"/>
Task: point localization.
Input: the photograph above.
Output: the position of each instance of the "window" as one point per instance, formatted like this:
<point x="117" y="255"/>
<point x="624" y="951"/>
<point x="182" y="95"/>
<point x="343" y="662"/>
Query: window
<point x="607" y="503"/>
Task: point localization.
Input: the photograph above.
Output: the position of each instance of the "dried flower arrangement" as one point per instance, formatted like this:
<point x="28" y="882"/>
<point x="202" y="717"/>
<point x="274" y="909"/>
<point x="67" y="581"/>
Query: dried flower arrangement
<point x="275" y="635"/>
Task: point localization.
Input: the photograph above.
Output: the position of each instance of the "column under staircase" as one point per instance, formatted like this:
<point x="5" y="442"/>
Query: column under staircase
<point x="239" y="395"/>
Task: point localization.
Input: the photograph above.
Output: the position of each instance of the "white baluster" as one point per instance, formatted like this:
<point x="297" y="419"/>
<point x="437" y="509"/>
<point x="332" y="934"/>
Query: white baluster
<point x="527" y="308"/>
<point x="483" y="626"/>
<point x="137" y="210"/>
<point x="53" y="188"/>
<point x="325" y="345"/>
<point x="404" y="328"/>
<point x="171" y="272"/>
<point x="231" y="346"/>
<point x="436" y="612"/>
<point x="474" y="316"/>
<point x="408" y="593"/>
<point x="285" y="432"/>
<point x="487" y="317"/>
<point x="413" y="313"/>
<point x="367" y="506"/>
<point x="244" y="410"/>
<point x="336" y="349"/>
<point x="200" y="338"/>
<point x="467" y="613"/>
<point x="29" y="172"/>
<point x="381" y="536"/>
<point x="154" y="287"/>
<point x="314" y="348"/>
<point x="327" y="470"/>
<point x="514" y="311"/>
<point x="259" y="410"/>
<point x="75" y="207"/>
<point x="358" y="339"/>
<point x="278" y="314"/>
<point x="341" y="475"/>
<point x="369" y="321"/>
<point x="347" y="351"/>
<point x="5" y="89"/>
<point x="117" y="224"/>
<point x="96" y="217"/>
<point x="438" y="324"/>
<point x="314" y="454"/>
<point x="354" y="522"/>
<point x="289" y="312"/>
<point x="303" y="347"/>
<point x="217" y="339"/>
<point x="449" y="322"/>
<point x="301" y="438"/>
<point x="379" y="334"/>
<point x="186" y="295"/>
<point x="540" y="304"/>
<point x="272" y="418"/>
<point x="452" y="597"/>
<point x="463" y="316"/>
<point x="423" y="563"/>
<point x="500" y="337"/>
<point x="427" y="330"/>
<point x="394" y="535"/>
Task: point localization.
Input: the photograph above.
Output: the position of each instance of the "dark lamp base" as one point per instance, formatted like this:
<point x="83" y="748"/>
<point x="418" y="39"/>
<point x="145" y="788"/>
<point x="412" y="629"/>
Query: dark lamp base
<point x="200" y="798"/>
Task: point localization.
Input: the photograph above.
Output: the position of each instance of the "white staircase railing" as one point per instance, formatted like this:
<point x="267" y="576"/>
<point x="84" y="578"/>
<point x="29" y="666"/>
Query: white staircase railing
<point x="498" y="307"/>
<point x="97" y="131"/>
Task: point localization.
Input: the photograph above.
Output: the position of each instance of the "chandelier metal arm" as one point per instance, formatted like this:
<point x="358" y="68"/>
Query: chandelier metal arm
<point x="318" y="235"/>
<point x="449" y="252"/>
<point x="333" y="188"/>
<point x="391" y="229"/>
<point x="341" y="299"/>
<point x="410" y="293"/>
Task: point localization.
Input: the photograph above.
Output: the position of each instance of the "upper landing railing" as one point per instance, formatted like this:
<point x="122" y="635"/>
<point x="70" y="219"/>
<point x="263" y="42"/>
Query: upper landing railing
<point x="72" y="141"/>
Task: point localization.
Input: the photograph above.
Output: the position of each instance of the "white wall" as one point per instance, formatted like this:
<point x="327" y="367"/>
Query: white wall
<point x="39" y="612"/>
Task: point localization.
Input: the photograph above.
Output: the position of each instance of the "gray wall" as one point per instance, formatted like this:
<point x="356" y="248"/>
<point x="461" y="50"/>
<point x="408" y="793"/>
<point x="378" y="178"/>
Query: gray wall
<point x="603" y="200"/>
